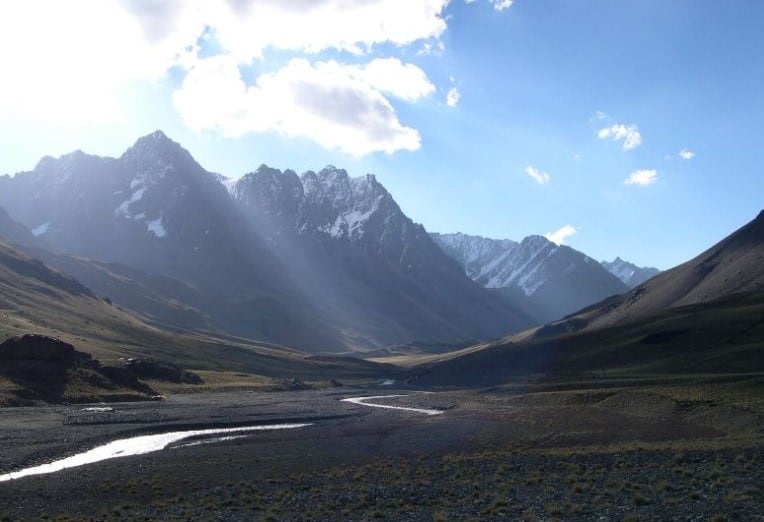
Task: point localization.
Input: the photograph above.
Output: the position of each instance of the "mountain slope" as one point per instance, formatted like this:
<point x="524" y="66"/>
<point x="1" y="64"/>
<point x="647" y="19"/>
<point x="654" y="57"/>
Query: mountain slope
<point x="323" y="261"/>
<point x="35" y="299"/>
<point x="550" y="280"/>
<point x="157" y="210"/>
<point x="704" y="316"/>
<point x="631" y="274"/>
<point x="722" y="337"/>
<point x="16" y="233"/>
<point x="377" y="274"/>
<point x="734" y="265"/>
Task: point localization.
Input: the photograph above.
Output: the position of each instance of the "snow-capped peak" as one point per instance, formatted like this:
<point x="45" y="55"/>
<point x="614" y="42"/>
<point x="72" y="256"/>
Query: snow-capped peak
<point x="629" y="273"/>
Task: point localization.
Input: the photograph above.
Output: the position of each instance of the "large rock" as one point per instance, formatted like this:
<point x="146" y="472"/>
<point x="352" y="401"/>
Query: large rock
<point x="161" y="370"/>
<point x="41" y="348"/>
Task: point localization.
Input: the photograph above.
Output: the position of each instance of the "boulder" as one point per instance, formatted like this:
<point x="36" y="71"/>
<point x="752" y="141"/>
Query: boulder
<point x="42" y="348"/>
<point x="146" y="368"/>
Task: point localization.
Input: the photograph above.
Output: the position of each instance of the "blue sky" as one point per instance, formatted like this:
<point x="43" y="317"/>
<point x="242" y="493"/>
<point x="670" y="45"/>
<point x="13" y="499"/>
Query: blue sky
<point x="631" y="128"/>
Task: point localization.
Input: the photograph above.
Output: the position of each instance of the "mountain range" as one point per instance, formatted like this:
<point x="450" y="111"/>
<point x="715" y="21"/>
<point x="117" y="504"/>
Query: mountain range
<point x="321" y="261"/>
<point x="551" y="280"/>
<point x="631" y="274"/>
<point x="701" y="317"/>
<point x="328" y="263"/>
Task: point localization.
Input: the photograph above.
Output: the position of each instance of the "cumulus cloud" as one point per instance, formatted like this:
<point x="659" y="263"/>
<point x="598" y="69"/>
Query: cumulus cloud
<point x="542" y="178"/>
<point x="629" y="134"/>
<point x="642" y="177"/>
<point x="69" y="62"/>
<point x="686" y="154"/>
<point x="63" y="62"/>
<point x="453" y="96"/>
<point x="391" y="76"/>
<point x="559" y="236"/>
<point x="247" y="28"/>
<point x="337" y="106"/>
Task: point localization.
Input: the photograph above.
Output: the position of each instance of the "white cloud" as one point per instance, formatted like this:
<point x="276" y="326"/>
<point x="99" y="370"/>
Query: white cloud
<point x="599" y="116"/>
<point x="628" y="133"/>
<point x="246" y="28"/>
<point x="430" y="48"/>
<point x="686" y="154"/>
<point x="453" y="96"/>
<point x="559" y="236"/>
<point x="335" y="105"/>
<point x="391" y="76"/>
<point x="542" y="178"/>
<point x="500" y="5"/>
<point x="642" y="177"/>
<point x="70" y="62"/>
<point x="63" y="62"/>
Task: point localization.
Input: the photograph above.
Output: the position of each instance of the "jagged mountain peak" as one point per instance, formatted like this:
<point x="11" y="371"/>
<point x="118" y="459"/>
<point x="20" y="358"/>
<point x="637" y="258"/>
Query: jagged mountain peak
<point x="330" y="173"/>
<point x="64" y="162"/>
<point x="154" y="140"/>
<point x="631" y="274"/>
<point x="328" y="179"/>
<point x="324" y="259"/>
<point x="156" y="150"/>
<point x="270" y="197"/>
<point x="536" y="241"/>
<point x="556" y="279"/>
<point x="266" y="170"/>
<point x="472" y="242"/>
<point x="272" y="175"/>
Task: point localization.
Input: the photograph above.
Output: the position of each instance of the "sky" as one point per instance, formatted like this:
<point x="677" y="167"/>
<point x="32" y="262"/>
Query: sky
<point x="628" y="129"/>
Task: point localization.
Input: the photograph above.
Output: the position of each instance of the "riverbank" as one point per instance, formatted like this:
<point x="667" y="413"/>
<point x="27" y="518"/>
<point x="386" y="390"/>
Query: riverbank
<point x="649" y="453"/>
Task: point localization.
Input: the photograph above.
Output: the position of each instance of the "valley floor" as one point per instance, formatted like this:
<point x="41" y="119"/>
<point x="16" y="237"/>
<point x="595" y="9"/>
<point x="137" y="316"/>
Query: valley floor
<point x="685" y="451"/>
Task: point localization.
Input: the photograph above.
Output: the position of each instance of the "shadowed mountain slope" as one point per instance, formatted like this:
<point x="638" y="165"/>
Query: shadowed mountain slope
<point x="722" y="337"/>
<point x="38" y="300"/>
<point x="734" y="265"/>
<point x="705" y="316"/>
<point x="157" y="210"/>
<point x="324" y="261"/>
<point x="13" y="232"/>
<point x="378" y="275"/>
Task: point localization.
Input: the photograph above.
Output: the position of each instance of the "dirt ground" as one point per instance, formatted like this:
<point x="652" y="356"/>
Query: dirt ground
<point x="669" y="453"/>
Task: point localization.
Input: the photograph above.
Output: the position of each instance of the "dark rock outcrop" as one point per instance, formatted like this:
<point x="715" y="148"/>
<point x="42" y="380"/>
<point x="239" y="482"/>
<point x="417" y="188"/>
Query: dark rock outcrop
<point x="162" y="371"/>
<point x="53" y="371"/>
<point x="43" y="349"/>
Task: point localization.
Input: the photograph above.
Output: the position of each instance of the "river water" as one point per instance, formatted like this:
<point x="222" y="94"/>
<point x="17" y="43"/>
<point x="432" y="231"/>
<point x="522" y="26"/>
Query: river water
<point x="362" y="402"/>
<point x="138" y="446"/>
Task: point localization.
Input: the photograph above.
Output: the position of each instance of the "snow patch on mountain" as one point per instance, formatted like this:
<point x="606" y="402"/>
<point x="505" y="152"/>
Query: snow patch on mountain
<point x="229" y="184"/>
<point x="350" y="224"/>
<point x="156" y="227"/>
<point x="124" y="208"/>
<point x="42" y="229"/>
<point x="500" y="263"/>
